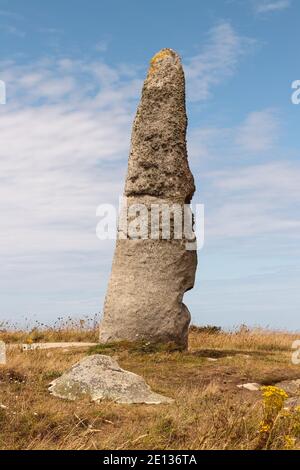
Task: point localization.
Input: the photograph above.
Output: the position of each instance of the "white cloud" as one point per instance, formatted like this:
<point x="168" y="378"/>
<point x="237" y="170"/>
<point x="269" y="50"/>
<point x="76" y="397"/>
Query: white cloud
<point x="257" y="192"/>
<point x="253" y="201"/>
<point x="259" y="132"/>
<point x="217" y="60"/>
<point x="64" y="147"/>
<point x="65" y="134"/>
<point x="50" y="30"/>
<point x="266" y="6"/>
<point x="10" y="14"/>
<point x="255" y="136"/>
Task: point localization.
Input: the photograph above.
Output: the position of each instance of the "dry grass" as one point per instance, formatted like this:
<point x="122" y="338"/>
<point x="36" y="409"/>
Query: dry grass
<point x="209" y="411"/>
<point x="84" y="330"/>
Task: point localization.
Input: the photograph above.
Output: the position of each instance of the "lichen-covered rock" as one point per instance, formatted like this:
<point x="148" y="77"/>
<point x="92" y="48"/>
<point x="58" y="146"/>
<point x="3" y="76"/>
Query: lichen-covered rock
<point x="149" y="276"/>
<point x="100" y="377"/>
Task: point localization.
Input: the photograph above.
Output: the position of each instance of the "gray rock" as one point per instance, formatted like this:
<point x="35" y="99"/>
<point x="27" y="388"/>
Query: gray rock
<point x="291" y="387"/>
<point x="63" y="345"/>
<point x="252" y="387"/>
<point x="2" y="353"/>
<point x="100" y="377"/>
<point x="149" y="277"/>
<point x="291" y="403"/>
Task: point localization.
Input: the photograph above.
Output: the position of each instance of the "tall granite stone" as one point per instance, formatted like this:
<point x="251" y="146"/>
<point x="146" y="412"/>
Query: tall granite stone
<point x="150" y="276"/>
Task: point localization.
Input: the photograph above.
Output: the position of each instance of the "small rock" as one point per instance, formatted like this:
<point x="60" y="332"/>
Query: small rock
<point x="34" y="346"/>
<point x="150" y="276"/>
<point x="100" y="377"/>
<point x="291" y="387"/>
<point x="252" y="387"/>
<point x="212" y="359"/>
<point x="291" y="403"/>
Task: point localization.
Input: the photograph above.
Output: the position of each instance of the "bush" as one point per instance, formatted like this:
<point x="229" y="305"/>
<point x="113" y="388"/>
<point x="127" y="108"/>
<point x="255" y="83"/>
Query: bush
<point x="208" y="329"/>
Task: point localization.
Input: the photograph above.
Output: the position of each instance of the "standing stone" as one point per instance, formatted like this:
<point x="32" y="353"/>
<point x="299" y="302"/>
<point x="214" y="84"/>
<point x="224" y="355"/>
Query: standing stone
<point x="150" y="276"/>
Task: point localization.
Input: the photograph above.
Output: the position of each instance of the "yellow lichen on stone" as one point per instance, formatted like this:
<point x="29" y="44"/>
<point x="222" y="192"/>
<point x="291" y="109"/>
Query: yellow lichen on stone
<point x="160" y="55"/>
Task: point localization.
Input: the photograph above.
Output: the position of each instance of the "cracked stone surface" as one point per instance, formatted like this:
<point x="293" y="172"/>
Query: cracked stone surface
<point x="101" y="378"/>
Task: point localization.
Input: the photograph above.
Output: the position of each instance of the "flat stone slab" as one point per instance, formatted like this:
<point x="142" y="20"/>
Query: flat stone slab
<point x="2" y="353"/>
<point x="291" y="387"/>
<point x="34" y="346"/>
<point x="252" y="387"/>
<point x="100" y="377"/>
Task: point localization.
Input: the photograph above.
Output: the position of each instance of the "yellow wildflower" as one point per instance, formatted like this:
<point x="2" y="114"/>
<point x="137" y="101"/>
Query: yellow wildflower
<point x="289" y="442"/>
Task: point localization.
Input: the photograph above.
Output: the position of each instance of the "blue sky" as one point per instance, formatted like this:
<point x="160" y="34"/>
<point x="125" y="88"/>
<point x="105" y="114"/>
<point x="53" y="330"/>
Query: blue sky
<point x="74" y="71"/>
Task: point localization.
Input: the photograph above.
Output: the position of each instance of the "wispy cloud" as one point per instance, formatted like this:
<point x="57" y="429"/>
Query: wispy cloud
<point x="10" y="14"/>
<point x="217" y="60"/>
<point x="266" y="6"/>
<point x="50" y="30"/>
<point x="253" y="201"/>
<point x="13" y="30"/>
<point x="65" y="134"/>
<point x="64" y="146"/>
<point x="256" y="192"/>
<point x="60" y="136"/>
<point x="102" y="45"/>
<point x="259" y="132"/>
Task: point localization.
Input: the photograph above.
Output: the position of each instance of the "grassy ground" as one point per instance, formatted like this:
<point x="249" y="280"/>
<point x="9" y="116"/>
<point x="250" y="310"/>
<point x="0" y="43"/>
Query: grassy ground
<point x="209" y="411"/>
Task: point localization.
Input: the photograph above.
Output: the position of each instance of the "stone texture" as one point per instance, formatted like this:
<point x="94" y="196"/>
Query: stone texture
<point x="292" y="403"/>
<point x="100" y="377"/>
<point x="291" y="387"/>
<point x="149" y="277"/>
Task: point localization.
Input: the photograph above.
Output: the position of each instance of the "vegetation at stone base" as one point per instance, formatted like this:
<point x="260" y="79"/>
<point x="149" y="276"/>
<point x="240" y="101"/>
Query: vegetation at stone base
<point x="209" y="412"/>
<point x="139" y="347"/>
<point x="210" y="329"/>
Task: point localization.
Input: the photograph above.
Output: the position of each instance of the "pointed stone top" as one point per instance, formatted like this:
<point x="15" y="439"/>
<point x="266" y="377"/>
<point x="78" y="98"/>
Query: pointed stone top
<point x="162" y="56"/>
<point x="164" y="67"/>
